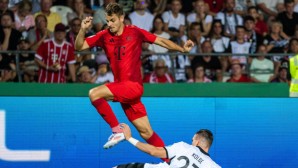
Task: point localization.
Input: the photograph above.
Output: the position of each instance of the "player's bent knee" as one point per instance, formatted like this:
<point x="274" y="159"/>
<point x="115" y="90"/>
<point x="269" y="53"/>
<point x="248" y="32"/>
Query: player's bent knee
<point x="95" y="94"/>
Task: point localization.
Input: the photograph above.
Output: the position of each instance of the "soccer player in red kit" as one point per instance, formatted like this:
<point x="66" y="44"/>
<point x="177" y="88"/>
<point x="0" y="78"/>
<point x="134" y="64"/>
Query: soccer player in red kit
<point x="123" y="46"/>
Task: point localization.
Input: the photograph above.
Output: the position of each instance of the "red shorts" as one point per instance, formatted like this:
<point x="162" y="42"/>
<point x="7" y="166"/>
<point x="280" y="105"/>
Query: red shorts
<point x="129" y="95"/>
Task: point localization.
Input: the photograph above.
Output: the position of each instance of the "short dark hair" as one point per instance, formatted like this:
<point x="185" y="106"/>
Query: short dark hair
<point x="252" y="7"/>
<point x="193" y="25"/>
<point x="207" y="135"/>
<point x="288" y="1"/>
<point x="7" y="14"/>
<point x="240" y="27"/>
<point x="114" y="8"/>
<point x="40" y="15"/>
<point x="248" y="18"/>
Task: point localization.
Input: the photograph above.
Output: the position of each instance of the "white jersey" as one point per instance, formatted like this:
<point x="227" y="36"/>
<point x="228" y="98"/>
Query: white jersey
<point x="183" y="155"/>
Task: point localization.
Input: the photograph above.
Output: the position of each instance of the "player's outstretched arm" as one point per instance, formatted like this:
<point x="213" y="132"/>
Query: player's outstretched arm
<point x="159" y="152"/>
<point x="173" y="46"/>
<point x="80" y="43"/>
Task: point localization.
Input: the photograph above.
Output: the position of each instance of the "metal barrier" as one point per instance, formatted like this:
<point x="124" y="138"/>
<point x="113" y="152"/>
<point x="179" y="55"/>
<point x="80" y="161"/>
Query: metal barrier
<point x="171" y="54"/>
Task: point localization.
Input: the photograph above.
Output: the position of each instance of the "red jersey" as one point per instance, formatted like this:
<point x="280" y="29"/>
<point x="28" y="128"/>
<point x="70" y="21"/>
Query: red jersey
<point x="50" y="53"/>
<point x="215" y="5"/>
<point x="261" y="27"/>
<point x="242" y="79"/>
<point x="124" y="51"/>
<point x="153" y="78"/>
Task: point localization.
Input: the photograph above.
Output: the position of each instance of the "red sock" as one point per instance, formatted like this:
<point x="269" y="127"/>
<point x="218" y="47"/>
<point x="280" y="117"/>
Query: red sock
<point x="104" y="109"/>
<point x="155" y="140"/>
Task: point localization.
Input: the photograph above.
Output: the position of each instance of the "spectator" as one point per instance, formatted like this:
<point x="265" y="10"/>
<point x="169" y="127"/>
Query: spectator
<point x="52" y="17"/>
<point x="218" y="40"/>
<point x="99" y="18"/>
<point x="181" y="66"/>
<point x="251" y="35"/>
<point x="79" y="11"/>
<point x="288" y="18"/>
<point x="9" y="38"/>
<point x="195" y="35"/>
<point x="157" y="7"/>
<point x="13" y="4"/>
<point x="75" y="25"/>
<point x="85" y="75"/>
<point x="41" y="32"/>
<point x="261" y="69"/>
<point x="214" y="6"/>
<point x="141" y="14"/>
<point x="27" y="63"/>
<point x="239" y="46"/>
<point x="182" y="62"/>
<point x="160" y="74"/>
<point x="296" y="5"/>
<point x="293" y="50"/>
<point x="174" y="21"/>
<point x="24" y="20"/>
<point x="270" y="8"/>
<point x="104" y="75"/>
<point x="229" y="18"/>
<point x="242" y="6"/>
<point x="52" y="57"/>
<point x="127" y="5"/>
<point x="4" y="9"/>
<point x="127" y="20"/>
<point x="200" y="15"/>
<point x="35" y="6"/>
<point x="7" y="69"/>
<point x="199" y="75"/>
<point x="276" y="42"/>
<point x="261" y="27"/>
<point x="281" y="76"/>
<point x="237" y="75"/>
<point x="7" y="74"/>
<point x="158" y="29"/>
<point x="211" y="64"/>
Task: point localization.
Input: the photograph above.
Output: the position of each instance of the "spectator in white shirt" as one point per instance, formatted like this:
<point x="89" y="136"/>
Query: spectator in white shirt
<point x="200" y="15"/>
<point x="229" y="18"/>
<point x="141" y="17"/>
<point x="174" y="20"/>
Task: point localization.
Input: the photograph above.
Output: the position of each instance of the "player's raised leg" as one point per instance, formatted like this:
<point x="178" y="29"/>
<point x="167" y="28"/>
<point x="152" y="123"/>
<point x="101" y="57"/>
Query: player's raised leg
<point x="145" y="130"/>
<point x="99" y="97"/>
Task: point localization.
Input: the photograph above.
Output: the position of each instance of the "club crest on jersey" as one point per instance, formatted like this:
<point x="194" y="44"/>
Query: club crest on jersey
<point x="112" y="40"/>
<point x="128" y="38"/>
<point x="54" y="57"/>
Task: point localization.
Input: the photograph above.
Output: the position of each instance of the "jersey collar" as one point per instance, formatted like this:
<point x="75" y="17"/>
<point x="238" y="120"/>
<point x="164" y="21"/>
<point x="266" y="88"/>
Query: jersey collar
<point x="203" y="151"/>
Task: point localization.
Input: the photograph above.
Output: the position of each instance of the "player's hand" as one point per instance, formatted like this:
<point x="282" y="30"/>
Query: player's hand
<point x="188" y="45"/>
<point x="87" y="23"/>
<point x="126" y="131"/>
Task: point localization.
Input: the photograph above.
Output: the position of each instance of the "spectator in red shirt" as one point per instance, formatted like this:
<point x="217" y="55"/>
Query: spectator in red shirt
<point x="214" y="6"/>
<point x="53" y="56"/>
<point x="237" y="75"/>
<point x="261" y="27"/>
<point x="160" y="74"/>
<point x="199" y="75"/>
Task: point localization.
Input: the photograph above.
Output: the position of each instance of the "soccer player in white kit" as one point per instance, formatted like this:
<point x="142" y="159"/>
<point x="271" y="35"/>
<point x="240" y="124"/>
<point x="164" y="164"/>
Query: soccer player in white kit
<point x="181" y="154"/>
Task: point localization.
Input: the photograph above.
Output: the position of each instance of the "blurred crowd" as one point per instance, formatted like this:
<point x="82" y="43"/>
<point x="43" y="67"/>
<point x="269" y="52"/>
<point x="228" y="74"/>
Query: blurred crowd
<point x="266" y="29"/>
